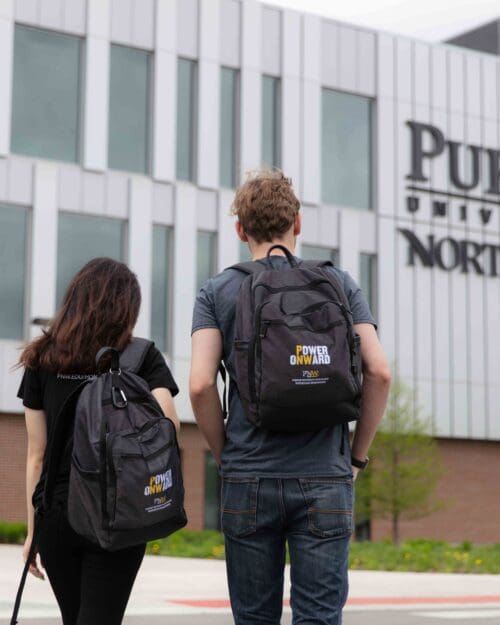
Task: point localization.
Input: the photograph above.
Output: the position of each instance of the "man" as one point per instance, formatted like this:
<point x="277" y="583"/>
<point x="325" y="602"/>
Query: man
<point x="280" y="487"/>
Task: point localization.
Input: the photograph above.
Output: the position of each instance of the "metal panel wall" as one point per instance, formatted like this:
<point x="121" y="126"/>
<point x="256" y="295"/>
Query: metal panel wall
<point x="440" y="328"/>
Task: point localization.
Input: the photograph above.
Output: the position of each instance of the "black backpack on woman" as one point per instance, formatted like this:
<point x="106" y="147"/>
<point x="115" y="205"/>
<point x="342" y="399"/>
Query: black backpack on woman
<point x="125" y="485"/>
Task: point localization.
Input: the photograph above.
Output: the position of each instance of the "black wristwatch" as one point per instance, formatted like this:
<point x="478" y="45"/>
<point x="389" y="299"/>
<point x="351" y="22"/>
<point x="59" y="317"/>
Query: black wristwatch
<point x="359" y="464"/>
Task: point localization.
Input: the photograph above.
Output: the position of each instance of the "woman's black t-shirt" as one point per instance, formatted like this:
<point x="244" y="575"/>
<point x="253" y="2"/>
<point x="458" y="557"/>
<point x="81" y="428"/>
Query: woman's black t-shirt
<point x="47" y="391"/>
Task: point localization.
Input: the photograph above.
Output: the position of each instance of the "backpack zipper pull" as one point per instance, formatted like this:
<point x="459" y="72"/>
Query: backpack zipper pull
<point x="263" y="329"/>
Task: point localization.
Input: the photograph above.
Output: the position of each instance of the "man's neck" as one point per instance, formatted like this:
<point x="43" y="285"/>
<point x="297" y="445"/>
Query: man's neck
<point x="260" y="250"/>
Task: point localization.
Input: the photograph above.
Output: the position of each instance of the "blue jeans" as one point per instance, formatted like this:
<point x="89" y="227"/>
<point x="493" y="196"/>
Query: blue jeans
<point x="314" y="515"/>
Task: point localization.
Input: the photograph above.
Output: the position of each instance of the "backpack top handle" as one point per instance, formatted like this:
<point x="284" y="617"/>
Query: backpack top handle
<point x="288" y="254"/>
<point x="115" y="358"/>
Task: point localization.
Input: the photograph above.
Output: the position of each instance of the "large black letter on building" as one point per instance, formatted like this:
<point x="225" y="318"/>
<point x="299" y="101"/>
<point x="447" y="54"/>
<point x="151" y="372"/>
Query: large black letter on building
<point x="417" y="149"/>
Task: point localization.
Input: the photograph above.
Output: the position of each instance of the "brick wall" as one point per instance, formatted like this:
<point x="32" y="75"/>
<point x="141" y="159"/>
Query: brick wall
<point x="193" y="449"/>
<point x="12" y="468"/>
<point x="468" y="488"/>
<point x="470" y="495"/>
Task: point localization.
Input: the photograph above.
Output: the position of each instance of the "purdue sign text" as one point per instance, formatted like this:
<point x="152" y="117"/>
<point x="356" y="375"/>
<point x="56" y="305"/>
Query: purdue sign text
<point x="448" y="253"/>
<point x="451" y="253"/>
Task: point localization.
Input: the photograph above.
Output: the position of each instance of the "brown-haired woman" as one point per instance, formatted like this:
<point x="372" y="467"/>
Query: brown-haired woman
<point x="100" y="308"/>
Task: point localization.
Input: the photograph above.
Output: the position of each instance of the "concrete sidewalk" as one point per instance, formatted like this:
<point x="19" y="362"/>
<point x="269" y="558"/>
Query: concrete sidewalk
<point x="191" y="586"/>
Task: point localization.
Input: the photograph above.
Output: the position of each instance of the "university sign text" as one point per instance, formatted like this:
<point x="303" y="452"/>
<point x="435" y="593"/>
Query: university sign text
<point x="449" y="253"/>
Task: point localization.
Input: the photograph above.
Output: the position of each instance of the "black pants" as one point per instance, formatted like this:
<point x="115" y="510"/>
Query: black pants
<point x="92" y="586"/>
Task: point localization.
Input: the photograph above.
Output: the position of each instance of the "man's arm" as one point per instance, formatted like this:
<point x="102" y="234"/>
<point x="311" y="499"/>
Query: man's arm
<point x="376" y="383"/>
<point x="205" y="360"/>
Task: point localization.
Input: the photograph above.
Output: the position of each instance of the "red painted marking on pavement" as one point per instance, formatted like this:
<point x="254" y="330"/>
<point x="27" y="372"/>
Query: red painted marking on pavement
<point x="202" y="603"/>
<point x="224" y="603"/>
<point x="420" y="600"/>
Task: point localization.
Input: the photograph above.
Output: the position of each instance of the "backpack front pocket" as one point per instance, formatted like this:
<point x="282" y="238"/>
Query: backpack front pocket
<point x="146" y="478"/>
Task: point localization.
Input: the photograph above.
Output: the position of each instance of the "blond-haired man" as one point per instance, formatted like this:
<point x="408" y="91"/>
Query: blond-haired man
<point x="280" y="487"/>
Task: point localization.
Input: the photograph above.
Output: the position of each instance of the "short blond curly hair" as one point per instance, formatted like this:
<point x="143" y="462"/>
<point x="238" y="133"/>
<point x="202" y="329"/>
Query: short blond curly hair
<point x="265" y="205"/>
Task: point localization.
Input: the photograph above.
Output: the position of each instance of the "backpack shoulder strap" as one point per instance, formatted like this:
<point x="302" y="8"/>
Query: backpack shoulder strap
<point x="314" y="264"/>
<point x="56" y="441"/>
<point x="337" y="284"/>
<point x="249" y="268"/>
<point x="134" y="354"/>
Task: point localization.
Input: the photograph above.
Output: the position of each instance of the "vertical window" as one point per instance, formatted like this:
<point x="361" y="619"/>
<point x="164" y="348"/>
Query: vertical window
<point x="186" y="119"/>
<point x="228" y="127"/>
<point x="45" y="94"/>
<point x="245" y="255"/>
<point x="212" y="494"/>
<point x="161" y="269"/>
<point x="346" y="149"/>
<point x="13" y="246"/>
<point x="368" y="280"/>
<point x="81" y="238"/>
<point x="271" y="121"/>
<point x="206" y="260"/>
<point x="317" y="252"/>
<point x="129" y="109"/>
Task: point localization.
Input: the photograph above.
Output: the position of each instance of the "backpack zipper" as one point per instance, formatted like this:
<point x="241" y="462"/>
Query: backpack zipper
<point x="152" y="455"/>
<point x="278" y="322"/>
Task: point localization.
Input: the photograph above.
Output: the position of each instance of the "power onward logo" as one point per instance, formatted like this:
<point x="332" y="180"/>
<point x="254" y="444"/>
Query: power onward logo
<point x="159" y="483"/>
<point x="310" y="355"/>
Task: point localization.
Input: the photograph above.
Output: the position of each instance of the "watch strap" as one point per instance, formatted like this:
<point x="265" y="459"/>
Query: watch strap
<point x="359" y="464"/>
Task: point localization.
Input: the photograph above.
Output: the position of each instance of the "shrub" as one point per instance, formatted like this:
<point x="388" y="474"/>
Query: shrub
<point x="12" y="533"/>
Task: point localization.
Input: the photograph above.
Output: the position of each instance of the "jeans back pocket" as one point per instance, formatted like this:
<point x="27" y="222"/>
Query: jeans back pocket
<point x="239" y="506"/>
<point x="329" y="506"/>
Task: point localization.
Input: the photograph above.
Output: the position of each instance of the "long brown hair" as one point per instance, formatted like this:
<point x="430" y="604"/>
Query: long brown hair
<point x="100" y="308"/>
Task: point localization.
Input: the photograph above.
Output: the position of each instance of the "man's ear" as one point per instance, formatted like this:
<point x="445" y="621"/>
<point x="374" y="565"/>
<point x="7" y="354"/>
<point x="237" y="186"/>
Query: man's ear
<point x="240" y="232"/>
<point x="297" y="224"/>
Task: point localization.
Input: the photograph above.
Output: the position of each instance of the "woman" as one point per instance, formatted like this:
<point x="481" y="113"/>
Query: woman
<point x="100" y="308"/>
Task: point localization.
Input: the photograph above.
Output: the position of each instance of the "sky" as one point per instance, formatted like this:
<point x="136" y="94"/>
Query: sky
<point x="429" y="20"/>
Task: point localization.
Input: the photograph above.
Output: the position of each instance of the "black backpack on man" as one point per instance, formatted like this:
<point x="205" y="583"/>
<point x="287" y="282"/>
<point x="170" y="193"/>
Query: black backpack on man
<point x="296" y="355"/>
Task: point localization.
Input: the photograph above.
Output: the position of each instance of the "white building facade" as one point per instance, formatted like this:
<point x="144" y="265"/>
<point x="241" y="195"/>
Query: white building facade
<point x="125" y="126"/>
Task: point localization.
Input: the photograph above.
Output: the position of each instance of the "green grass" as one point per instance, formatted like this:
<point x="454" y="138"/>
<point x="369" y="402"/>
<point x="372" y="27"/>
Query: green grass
<point x="190" y="544"/>
<point x="411" y="555"/>
<point x="426" y="556"/>
<point x="12" y="533"/>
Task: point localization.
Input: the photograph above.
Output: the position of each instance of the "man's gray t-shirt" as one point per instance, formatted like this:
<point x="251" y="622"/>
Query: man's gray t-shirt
<point x="252" y="451"/>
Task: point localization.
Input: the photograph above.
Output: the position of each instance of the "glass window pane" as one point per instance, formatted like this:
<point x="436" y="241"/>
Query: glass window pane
<point x="186" y="119"/>
<point x="81" y="238"/>
<point x="271" y="122"/>
<point x="245" y="255"/>
<point x="160" y="317"/>
<point x="212" y="494"/>
<point x="346" y="145"/>
<point x="45" y="94"/>
<point x="128" y="109"/>
<point x="317" y="252"/>
<point x="228" y="126"/>
<point x="13" y="236"/>
<point x="368" y="280"/>
<point x="206" y="264"/>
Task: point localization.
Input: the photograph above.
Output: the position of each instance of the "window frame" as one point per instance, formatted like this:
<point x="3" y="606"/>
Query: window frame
<point x="149" y="135"/>
<point x="194" y="107"/>
<point x="26" y="290"/>
<point x="169" y="233"/>
<point x="80" y="95"/>
<point x="276" y="121"/>
<point x="236" y="127"/>
<point x="213" y="249"/>
<point x="371" y="152"/>
<point x="123" y="242"/>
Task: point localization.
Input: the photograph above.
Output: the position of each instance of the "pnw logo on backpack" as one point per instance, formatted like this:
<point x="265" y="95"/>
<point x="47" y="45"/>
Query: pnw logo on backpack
<point x="125" y="483"/>
<point x="296" y="355"/>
